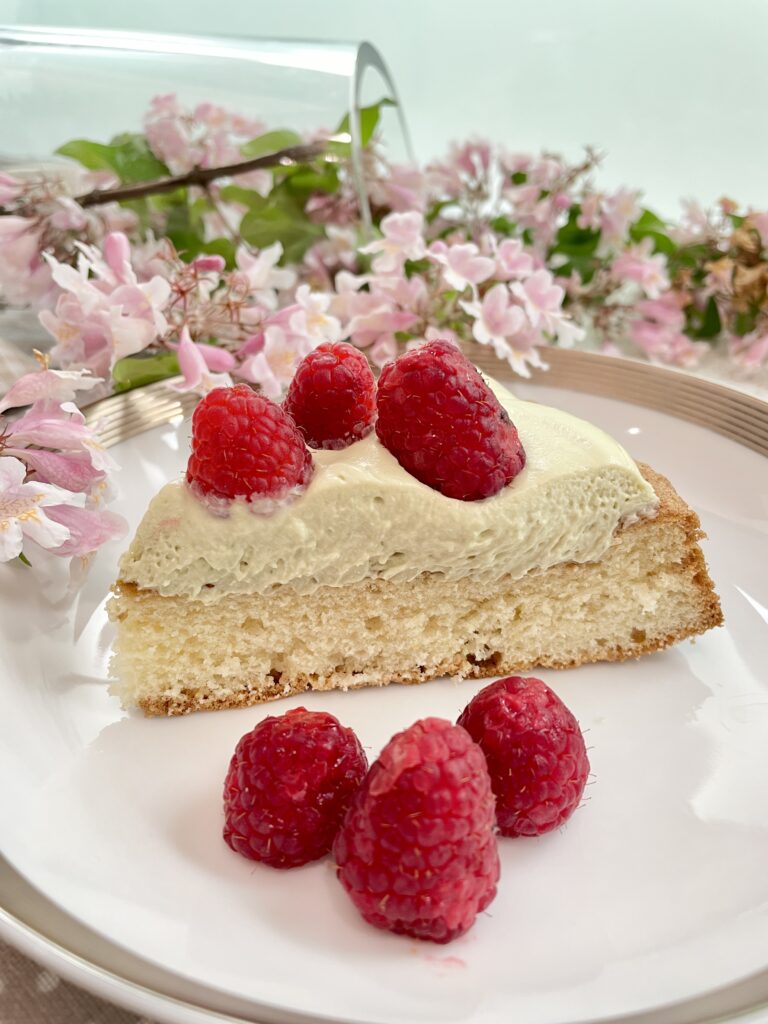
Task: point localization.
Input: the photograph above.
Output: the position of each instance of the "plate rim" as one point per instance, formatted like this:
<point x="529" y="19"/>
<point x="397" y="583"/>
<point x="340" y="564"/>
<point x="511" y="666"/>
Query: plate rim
<point x="721" y="408"/>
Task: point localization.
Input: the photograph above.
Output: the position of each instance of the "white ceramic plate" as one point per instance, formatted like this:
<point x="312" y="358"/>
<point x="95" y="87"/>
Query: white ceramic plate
<point x="655" y="893"/>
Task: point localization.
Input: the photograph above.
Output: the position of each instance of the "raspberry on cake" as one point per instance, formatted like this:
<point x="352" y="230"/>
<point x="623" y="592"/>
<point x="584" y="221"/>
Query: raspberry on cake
<point x="332" y="397"/>
<point x="244" y="446"/>
<point x="388" y="565"/>
<point x="445" y="426"/>
<point x="416" y="852"/>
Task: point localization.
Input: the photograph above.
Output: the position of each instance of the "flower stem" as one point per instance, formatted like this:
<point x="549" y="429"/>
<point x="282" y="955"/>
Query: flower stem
<point x="200" y="176"/>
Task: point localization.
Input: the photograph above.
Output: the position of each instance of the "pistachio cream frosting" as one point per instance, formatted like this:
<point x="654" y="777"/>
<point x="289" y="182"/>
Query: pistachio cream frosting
<point x="364" y="517"/>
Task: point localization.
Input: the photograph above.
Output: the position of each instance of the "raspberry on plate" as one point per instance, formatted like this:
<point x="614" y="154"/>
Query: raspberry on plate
<point x="416" y="852"/>
<point x="332" y="397"/>
<point x="289" y="784"/>
<point x="535" y="751"/>
<point x="444" y="425"/>
<point x="244" y="445"/>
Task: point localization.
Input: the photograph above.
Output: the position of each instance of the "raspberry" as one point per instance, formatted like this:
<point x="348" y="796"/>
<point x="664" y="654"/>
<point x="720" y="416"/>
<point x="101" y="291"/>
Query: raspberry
<point x="416" y="852"/>
<point x="445" y="426"/>
<point x="332" y="397"/>
<point x="289" y="784"/>
<point x="243" y="445"/>
<point x="535" y="751"/>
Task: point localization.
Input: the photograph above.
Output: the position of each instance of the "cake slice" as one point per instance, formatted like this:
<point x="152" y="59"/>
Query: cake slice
<point x="366" y="575"/>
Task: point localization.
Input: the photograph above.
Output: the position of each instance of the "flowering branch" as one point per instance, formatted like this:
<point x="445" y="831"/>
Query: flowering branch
<point x="200" y="176"/>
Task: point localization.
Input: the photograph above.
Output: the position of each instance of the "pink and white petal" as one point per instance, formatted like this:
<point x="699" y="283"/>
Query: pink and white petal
<point x="61" y="385"/>
<point x="87" y="528"/>
<point x="257" y="370"/>
<point x="43" y="530"/>
<point x="73" y="471"/>
<point x="11" y="538"/>
<point x="12" y="473"/>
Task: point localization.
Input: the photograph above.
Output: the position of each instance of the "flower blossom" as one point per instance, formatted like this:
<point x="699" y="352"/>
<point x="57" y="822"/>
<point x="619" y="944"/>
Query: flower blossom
<point x="311" y="319"/>
<point x="617" y="213"/>
<point x="502" y="324"/>
<point x="636" y="264"/>
<point x="542" y="300"/>
<point x="195" y="367"/>
<point x="24" y="275"/>
<point x="59" y="385"/>
<point x="750" y="350"/>
<point x="512" y="261"/>
<point x="402" y="240"/>
<point x="462" y="266"/>
<point x="272" y="358"/>
<point x="22" y="512"/>
<point x="658" y="331"/>
<point x="260" y="275"/>
<point x="98" y="320"/>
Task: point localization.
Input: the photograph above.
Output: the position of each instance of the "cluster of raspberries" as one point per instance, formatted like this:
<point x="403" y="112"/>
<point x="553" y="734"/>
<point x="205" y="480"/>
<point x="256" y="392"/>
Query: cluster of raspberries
<point x="431" y="409"/>
<point x="414" y="835"/>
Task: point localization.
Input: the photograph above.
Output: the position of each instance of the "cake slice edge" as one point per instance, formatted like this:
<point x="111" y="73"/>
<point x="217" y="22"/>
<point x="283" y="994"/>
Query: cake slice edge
<point x="651" y="589"/>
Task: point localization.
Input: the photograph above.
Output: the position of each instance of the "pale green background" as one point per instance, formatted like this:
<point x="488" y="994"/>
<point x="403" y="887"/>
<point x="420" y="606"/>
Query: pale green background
<point x="675" y="90"/>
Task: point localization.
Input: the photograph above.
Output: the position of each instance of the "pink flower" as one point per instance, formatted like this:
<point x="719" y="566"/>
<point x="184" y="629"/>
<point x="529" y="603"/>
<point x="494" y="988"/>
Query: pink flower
<point x="618" y="211"/>
<point x="58" y="385"/>
<point x="311" y="319"/>
<point x="541" y="298"/>
<point x="402" y="240"/>
<point x="100" y="320"/>
<point x="194" y="366"/>
<point x="74" y="470"/>
<point x="659" y="332"/>
<point x="694" y="225"/>
<point x="261" y="276"/>
<point x="21" y="511"/>
<point x="24" y="277"/>
<point x="462" y="265"/>
<point x="366" y="328"/>
<point x="472" y="159"/>
<point x="88" y="528"/>
<point x="400" y="189"/>
<point x="204" y="137"/>
<point x="751" y="350"/>
<point x="589" y="217"/>
<point x="503" y="325"/>
<point x="10" y="189"/>
<point x="512" y="261"/>
<point x="275" y="364"/>
<point x="638" y="265"/>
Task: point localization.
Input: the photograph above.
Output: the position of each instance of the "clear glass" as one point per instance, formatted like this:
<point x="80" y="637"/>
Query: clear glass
<point x="64" y="83"/>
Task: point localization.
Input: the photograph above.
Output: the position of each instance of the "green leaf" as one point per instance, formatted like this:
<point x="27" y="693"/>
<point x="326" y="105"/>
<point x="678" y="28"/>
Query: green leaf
<point x="242" y="195"/>
<point x="648" y="225"/>
<point x="503" y="225"/>
<point x="578" y="246"/>
<point x="519" y="178"/>
<point x="302" y="181"/>
<point x="437" y="208"/>
<point x="24" y="560"/>
<point x="280" y="218"/>
<point x="416" y="267"/>
<point x="128" y="155"/>
<point x="369" y="119"/>
<point x="270" y="142"/>
<point x="703" y="323"/>
<point x="137" y="371"/>
<point x="744" y="323"/>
